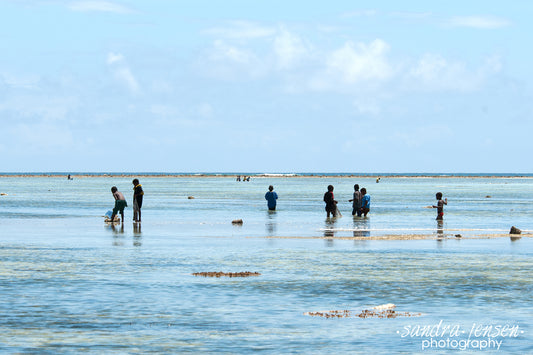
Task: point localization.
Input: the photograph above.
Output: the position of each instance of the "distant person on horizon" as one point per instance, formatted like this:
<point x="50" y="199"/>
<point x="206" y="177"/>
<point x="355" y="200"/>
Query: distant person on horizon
<point x="138" y="194"/>
<point x="365" y="202"/>
<point x="356" y="201"/>
<point x="331" y="204"/>
<point x="271" y="196"/>
<point x="120" y="203"/>
<point x="440" y="206"/>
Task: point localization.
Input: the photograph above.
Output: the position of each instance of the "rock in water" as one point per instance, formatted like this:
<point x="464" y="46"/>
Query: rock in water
<point x="515" y="230"/>
<point x="237" y="221"/>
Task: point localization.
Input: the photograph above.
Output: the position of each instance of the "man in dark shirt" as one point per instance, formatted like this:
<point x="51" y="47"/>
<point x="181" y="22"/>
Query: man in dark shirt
<point x="138" y="194"/>
<point x="331" y="204"/>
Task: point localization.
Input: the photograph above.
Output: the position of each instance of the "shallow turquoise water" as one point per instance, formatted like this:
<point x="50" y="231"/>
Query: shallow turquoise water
<point x="70" y="284"/>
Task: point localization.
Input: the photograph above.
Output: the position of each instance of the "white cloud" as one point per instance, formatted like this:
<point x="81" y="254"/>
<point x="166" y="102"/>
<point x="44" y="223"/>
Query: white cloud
<point x="114" y="58"/>
<point x="223" y="51"/>
<point x="360" y="62"/>
<point x="434" y="72"/>
<point x="122" y="72"/>
<point x="480" y="22"/>
<point x="98" y="6"/>
<point x="246" y="48"/>
<point x="289" y="49"/>
<point x="353" y="68"/>
<point x="126" y="76"/>
<point x="230" y="62"/>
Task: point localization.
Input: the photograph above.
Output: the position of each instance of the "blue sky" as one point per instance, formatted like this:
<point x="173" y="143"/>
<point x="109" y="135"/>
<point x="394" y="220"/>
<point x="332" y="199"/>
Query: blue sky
<point x="266" y="86"/>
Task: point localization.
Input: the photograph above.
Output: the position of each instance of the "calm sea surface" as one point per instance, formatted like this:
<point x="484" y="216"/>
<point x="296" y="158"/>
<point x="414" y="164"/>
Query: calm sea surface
<point x="69" y="283"/>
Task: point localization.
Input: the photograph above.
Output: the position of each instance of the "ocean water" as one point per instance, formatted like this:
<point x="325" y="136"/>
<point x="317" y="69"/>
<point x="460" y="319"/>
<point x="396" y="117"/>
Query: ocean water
<point x="69" y="283"/>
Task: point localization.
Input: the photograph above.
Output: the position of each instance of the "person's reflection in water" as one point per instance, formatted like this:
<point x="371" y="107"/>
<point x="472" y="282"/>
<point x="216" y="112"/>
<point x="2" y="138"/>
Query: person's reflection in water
<point x="118" y="234"/>
<point x="117" y="230"/>
<point x="440" y="230"/>
<point x="271" y="223"/>
<point x="361" y="227"/>
<point x="137" y="238"/>
<point x="440" y="233"/>
<point x="329" y="231"/>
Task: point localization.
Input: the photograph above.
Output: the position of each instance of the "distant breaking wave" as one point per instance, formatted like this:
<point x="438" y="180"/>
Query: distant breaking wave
<point x="275" y="175"/>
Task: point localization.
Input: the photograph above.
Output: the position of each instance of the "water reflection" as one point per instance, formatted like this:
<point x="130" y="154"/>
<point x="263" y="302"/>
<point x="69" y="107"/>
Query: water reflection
<point x="440" y="234"/>
<point x="440" y="229"/>
<point x="137" y="238"/>
<point x="329" y="230"/>
<point x="361" y="227"/>
<point x="271" y="223"/>
<point x="136" y="229"/>
<point x="116" y="230"/>
<point x="118" y="233"/>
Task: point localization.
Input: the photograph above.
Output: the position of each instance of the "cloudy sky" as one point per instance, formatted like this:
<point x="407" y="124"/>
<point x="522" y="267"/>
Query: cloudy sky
<point x="266" y="86"/>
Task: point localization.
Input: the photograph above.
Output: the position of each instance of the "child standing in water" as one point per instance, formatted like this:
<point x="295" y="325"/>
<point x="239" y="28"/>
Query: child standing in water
<point x="138" y="194"/>
<point x="365" y="202"/>
<point x="440" y="205"/>
<point x="120" y="203"/>
<point x="356" y="201"/>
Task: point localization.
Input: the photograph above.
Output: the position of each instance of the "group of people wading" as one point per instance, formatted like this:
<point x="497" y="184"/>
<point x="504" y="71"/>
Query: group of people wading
<point x="360" y="202"/>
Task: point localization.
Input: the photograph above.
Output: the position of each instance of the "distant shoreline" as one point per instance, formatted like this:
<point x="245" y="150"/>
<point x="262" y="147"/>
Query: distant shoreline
<point x="271" y="176"/>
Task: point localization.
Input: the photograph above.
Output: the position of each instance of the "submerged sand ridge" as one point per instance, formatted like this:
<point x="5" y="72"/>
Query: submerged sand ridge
<point x="226" y="274"/>
<point x="412" y="236"/>
<point x="382" y="311"/>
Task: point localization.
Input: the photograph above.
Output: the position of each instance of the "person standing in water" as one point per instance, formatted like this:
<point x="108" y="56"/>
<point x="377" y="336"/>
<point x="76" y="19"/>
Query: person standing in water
<point x="331" y="204"/>
<point x="365" y="202"/>
<point x="138" y="194"/>
<point x="120" y="203"/>
<point x="440" y="206"/>
<point x="271" y="197"/>
<point x="356" y="201"/>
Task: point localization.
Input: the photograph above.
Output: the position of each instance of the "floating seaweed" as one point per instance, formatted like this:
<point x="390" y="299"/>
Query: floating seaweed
<point x="226" y="274"/>
<point x="383" y="311"/>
